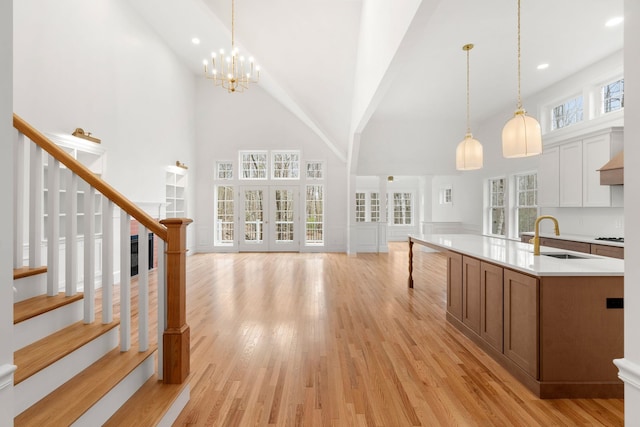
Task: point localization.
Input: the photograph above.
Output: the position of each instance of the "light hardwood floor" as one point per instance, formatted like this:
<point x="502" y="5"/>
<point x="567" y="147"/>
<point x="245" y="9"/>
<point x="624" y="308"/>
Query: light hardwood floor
<point x="336" y="340"/>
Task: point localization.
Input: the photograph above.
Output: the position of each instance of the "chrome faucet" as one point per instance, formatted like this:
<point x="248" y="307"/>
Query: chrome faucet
<point x="536" y="236"/>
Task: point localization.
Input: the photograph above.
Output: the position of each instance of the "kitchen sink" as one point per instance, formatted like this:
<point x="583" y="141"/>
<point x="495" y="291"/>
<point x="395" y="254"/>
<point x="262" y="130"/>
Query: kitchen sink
<point x="564" y="255"/>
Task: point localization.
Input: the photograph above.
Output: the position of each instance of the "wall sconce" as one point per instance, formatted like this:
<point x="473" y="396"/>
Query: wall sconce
<point x="181" y="165"/>
<point x="80" y="133"/>
<point x="390" y="178"/>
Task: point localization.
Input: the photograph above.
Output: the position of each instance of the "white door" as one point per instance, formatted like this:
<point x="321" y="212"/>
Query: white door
<point x="269" y="219"/>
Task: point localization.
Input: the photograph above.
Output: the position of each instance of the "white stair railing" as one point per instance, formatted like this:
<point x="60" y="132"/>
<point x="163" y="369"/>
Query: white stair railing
<point x="172" y="329"/>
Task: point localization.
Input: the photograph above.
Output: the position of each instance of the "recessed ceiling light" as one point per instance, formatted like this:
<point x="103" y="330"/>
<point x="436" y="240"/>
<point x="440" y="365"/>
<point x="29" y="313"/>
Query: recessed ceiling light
<point x="614" y="21"/>
<point x="195" y="40"/>
<point x="543" y="66"/>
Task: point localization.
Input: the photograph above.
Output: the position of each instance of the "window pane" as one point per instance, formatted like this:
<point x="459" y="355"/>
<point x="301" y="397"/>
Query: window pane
<point x="286" y="165"/>
<point x="613" y="96"/>
<point x="497" y="221"/>
<point x="225" y="224"/>
<point x="568" y="113"/>
<point x="314" y="215"/>
<point x="254" y="165"/>
<point x="314" y="170"/>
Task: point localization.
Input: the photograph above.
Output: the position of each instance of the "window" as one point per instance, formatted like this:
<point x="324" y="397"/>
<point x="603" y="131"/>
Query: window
<point x="315" y="170"/>
<point x="613" y="96"/>
<point x="225" y="170"/>
<point x="286" y="165"/>
<point x="526" y="208"/>
<point x="446" y="196"/>
<point x="402" y="209"/>
<point x="314" y="218"/>
<point x="360" y="207"/>
<point x="375" y="207"/>
<point x="497" y="206"/>
<point x="224" y="215"/>
<point x="253" y="165"/>
<point x="568" y="113"/>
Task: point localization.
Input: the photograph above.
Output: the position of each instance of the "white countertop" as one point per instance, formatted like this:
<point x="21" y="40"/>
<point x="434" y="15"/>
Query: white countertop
<point x="579" y="238"/>
<point x="519" y="256"/>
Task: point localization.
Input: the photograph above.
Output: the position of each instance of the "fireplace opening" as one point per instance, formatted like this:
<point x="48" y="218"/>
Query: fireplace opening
<point x="134" y="254"/>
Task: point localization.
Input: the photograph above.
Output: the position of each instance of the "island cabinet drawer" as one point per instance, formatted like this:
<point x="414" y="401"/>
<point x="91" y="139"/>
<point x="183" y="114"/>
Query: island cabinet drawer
<point x="521" y="331"/>
<point x="566" y="244"/>
<point x="606" y="250"/>
<point x="454" y="284"/>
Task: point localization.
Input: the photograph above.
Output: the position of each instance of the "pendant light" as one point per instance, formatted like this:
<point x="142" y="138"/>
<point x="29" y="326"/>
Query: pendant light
<point x="469" y="151"/>
<point x="521" y="136"/>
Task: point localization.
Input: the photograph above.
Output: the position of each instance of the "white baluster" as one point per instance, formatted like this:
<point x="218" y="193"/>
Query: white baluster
<point x="125" y="281"/>
<point x="89" y="254"/>
<point x="53" y="227"/>
<point x="35" y="206"/>
<point x="71" y="235"/>
<point x="143" y="289"/>
<point x="18" y="199"/>
<point x="162" y="305"/>
<point x="107" y="261"/>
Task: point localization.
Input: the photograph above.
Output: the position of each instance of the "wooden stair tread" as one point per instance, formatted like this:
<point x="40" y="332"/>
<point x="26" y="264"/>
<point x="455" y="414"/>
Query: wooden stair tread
<point x="68" y="402"/>
<point x="19" y="273"/>
<point x="148" y="405"/>
<point x="35" y="357"/>
<point x="36" y="306"/>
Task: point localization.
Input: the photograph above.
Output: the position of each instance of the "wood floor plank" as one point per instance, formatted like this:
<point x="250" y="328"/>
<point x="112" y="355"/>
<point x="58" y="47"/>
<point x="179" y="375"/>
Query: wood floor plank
<point x="336" y="340"/>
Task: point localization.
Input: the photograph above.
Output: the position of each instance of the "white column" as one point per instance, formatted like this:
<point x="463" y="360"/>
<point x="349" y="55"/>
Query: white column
<point x="71" y="235"/>
<point x="18" y="199"/>
<point x="35" y="206"/>
<point x="143" y="288"/>
<point x="53" y="226"/>
<point x="107" y="260"/>
<point x="89" y="254"/>
<point x="125" y="281"/>
<point x="630" y="366"/>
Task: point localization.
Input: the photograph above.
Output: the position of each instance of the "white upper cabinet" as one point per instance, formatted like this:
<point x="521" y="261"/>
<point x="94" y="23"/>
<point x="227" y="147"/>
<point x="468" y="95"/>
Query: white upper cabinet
<point x="568" y="171"/>
<point x="549" y="178"/>
<point x="571" y="174"/>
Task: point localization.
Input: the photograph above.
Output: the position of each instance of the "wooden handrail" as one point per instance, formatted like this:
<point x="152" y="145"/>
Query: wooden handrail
<point x="83" y="172"/>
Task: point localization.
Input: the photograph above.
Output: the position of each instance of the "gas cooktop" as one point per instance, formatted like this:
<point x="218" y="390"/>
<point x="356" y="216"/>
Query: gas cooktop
<point x="611" y="239"/>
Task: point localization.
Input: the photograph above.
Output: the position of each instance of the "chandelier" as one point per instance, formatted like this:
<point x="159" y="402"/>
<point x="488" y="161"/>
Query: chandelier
<point x="521" y="136"/>
<point x="469" y="151"/>
<point x="233" y="72"/>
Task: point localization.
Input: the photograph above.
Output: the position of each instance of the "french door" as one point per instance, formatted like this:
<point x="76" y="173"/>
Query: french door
<point x="269" y="219"/>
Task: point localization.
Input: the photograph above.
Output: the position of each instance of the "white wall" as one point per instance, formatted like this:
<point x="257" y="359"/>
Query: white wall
<point x="6" y="214"/>
<point x="632" y="207"/>
<point x="97" y="65"/>
<point x="253" y="120"/>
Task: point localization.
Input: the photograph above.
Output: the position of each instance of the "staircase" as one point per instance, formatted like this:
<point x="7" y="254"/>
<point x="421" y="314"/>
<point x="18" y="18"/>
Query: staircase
<point x="89" y="351"/>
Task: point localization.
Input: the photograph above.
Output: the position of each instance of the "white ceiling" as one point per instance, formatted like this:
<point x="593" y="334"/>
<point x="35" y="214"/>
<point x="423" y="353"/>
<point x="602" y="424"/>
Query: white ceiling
<point x="308" y="50"/>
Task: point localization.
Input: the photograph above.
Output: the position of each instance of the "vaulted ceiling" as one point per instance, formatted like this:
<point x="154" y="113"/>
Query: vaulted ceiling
<point x="308" y="50"/>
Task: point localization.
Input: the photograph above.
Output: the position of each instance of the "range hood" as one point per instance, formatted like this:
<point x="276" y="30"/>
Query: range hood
<point x="613" y="172"/>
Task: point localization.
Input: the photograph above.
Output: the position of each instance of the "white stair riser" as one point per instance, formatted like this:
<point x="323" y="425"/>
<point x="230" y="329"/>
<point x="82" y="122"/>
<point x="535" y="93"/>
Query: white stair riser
<point x="44" y="382"/>
<point x="29" y="287"/>
<point x="38" y="327"/>
<point x="112" y="401"/>
<point x="176" y="407"/>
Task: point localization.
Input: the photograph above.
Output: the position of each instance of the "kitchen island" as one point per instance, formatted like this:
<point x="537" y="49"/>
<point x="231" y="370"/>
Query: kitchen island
<point x="555" y="321"/>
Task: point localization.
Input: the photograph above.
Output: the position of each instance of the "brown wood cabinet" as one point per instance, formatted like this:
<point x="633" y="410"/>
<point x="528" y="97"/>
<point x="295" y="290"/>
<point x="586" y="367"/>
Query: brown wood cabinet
<point x="568" y="245"/>
<point x="454" y="284"/>
<point x="471" y="293"/>
<point x="491" y="305"/>
<point x="606" y="250"/>
<point x="521" y="332"/>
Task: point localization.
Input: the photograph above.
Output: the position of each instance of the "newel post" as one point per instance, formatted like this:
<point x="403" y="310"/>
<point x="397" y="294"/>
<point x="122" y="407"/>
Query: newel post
<point x="176" y="337"/>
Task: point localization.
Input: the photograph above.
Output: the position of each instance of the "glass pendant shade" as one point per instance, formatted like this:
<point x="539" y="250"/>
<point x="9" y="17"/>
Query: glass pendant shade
<point x="469" y="154"/>
<point x="521" y="136"/>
